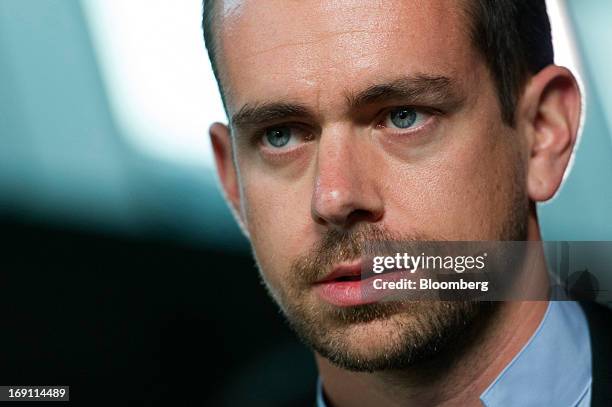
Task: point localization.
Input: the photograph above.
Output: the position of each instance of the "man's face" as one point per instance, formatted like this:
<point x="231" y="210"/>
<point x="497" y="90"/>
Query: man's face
<point x="360" y="120"/>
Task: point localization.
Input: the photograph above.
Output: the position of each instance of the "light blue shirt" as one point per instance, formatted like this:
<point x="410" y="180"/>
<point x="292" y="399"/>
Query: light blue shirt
<point x="552" y="369"/>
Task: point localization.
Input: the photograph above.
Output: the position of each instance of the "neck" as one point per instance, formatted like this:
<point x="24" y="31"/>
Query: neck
<point x="456" y="377"/>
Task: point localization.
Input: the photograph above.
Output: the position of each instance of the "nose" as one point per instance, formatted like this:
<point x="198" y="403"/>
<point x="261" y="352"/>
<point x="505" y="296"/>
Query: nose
<point x="346" y="189"/>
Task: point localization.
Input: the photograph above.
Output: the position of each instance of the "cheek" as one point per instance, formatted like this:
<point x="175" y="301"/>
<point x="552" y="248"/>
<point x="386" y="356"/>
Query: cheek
<point x="277" y="223"/>
<point x="484" y="186"/>
<point x="465" y="193"/>
<point x="480" y="194"/>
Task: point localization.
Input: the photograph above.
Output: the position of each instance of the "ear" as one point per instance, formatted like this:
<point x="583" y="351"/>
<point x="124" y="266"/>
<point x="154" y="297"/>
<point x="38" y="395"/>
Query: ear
<point x="221" y="141"/>
<point x="550" y="114"/>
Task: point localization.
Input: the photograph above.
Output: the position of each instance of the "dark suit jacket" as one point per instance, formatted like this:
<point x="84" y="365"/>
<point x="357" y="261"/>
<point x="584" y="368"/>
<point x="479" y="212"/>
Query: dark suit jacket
<point x="600" y="328"/>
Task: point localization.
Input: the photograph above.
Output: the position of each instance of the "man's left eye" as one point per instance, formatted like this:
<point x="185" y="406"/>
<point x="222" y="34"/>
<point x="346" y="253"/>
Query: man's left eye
<point x="278" y="137"/>
<point x="404" y="118"/>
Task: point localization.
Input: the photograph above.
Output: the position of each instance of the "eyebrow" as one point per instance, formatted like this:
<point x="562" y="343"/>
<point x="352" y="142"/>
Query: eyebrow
<point x="266" y="112"/>
<point x="420" y="89"/>
<point x="437" y="90"/>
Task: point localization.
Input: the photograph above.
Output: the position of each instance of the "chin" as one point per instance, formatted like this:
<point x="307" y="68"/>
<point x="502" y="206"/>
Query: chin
<point x="386" y="336"/>
<point x="370" y="340"/>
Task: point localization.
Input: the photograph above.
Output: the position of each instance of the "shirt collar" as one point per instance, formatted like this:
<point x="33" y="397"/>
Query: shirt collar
<point x="537" y="374"/>
<point x="553" y="368"/>
<point x="320" y="397"/>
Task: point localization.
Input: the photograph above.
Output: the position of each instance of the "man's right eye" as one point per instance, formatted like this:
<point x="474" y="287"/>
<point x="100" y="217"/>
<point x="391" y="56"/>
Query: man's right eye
<point x="285" y="137"/>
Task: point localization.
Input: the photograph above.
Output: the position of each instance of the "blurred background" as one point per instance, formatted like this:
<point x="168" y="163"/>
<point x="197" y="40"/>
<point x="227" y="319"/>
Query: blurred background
<point x="125" y="275"/>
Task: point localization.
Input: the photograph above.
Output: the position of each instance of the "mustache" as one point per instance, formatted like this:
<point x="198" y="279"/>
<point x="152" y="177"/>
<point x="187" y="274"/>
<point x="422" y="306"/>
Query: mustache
<point x="344" y="246"/>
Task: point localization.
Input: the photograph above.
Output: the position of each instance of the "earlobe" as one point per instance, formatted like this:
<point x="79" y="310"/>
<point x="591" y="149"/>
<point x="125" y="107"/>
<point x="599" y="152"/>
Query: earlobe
<point x="221" y="141"/>
<point x="551" y="109"/>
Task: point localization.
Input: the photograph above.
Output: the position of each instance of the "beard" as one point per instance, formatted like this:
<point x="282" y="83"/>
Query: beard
<point x="384" y="335"/>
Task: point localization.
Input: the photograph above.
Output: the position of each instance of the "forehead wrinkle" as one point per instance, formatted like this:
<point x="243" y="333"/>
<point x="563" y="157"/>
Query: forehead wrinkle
<point x="321" y="38"/>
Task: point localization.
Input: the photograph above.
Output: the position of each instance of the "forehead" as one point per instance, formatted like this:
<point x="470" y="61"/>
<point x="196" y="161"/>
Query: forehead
<point x="306" y="49"/>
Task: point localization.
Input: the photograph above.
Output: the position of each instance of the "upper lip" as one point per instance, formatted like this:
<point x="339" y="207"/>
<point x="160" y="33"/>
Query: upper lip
<point x="344" y="269"/>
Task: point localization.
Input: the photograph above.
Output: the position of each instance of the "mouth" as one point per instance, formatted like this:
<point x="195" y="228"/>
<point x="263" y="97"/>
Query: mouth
<point x="344" y="272"/>
<point x="350" y="284"/>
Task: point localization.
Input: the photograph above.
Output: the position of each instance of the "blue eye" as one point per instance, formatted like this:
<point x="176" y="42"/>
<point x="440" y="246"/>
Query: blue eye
<point x="278" y="136"/>
<point x="403" y="117"/>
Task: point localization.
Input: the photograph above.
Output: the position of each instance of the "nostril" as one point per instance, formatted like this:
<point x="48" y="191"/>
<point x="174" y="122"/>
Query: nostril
<point x="363" y="215"/>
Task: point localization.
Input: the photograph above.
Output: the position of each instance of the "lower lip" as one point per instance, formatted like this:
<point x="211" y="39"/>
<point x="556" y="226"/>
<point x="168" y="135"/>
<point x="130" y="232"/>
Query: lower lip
<point x="352" y="293"/>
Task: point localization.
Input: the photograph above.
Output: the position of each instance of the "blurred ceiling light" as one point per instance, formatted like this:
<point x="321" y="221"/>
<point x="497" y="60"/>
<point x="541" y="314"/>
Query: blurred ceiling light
<point x="159" y="81"/>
